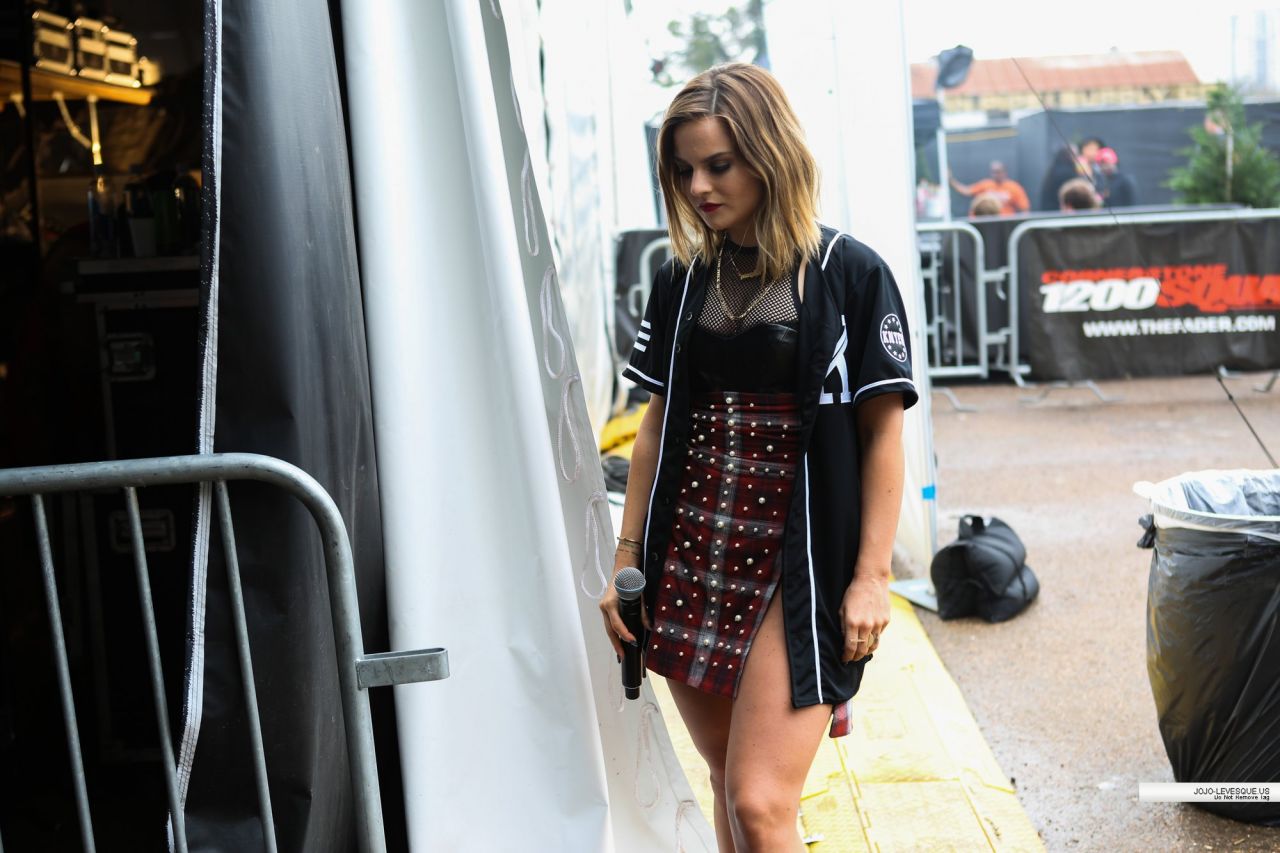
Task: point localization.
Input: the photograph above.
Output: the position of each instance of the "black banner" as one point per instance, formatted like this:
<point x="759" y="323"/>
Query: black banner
<point x="292" y="381"/>
<point x="1150" y="299"/>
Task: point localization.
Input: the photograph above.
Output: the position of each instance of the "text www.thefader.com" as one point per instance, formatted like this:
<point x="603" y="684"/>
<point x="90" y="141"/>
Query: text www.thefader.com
<point x="1207" y="792"/>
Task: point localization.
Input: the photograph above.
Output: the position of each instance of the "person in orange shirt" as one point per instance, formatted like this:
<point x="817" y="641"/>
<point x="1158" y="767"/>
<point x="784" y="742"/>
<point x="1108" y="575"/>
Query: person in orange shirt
<point x="1013" y="198"/>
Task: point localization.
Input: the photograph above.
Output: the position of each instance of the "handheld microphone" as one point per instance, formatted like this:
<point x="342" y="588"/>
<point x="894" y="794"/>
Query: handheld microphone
<point x="629" y="584"/>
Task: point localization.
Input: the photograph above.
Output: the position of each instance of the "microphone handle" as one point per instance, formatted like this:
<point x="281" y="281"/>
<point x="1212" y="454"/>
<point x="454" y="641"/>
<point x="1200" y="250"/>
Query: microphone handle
<point x="633" y="655"/>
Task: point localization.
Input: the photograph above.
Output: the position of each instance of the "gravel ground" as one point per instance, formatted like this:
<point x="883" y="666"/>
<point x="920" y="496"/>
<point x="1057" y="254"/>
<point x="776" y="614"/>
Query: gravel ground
<point x="1061" y="692"/>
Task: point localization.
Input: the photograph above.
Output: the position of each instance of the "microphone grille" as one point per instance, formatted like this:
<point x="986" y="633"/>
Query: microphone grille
<point x="629" y="583"/>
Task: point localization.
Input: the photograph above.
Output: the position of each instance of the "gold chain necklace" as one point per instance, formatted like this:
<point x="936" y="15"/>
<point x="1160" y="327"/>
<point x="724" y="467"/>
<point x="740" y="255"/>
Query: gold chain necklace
<point x="724" y="303"/>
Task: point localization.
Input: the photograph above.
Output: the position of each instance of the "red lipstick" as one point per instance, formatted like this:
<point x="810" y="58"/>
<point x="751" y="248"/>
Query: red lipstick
<point x="709" y="208"/>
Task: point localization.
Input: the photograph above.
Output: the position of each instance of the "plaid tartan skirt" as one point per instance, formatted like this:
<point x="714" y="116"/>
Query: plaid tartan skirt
<point x="722" y="566"/>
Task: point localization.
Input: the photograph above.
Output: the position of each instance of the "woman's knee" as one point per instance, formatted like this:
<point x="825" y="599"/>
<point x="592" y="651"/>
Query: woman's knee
<point x="759" y="814"/>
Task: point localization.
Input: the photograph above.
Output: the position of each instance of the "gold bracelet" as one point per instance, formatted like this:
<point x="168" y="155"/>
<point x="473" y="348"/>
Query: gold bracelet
<point x="629" y="548"/>
<point x="628" y="541"/>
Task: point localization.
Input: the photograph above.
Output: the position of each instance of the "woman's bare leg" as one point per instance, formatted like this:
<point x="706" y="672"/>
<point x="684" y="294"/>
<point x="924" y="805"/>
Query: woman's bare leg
<point x="771" y="746"/>
<point x="707" y="716"/>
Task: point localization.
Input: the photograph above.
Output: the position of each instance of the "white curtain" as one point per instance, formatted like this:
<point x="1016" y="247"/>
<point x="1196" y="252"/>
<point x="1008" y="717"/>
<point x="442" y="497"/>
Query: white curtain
<point x="496" y="526"/>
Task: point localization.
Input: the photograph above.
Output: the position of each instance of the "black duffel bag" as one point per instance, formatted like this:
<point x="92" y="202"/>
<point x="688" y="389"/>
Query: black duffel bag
<point x="983" y="573"/>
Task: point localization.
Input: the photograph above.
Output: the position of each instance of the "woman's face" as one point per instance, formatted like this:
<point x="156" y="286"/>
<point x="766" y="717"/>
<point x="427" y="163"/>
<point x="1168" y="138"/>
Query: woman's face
<point x="716" y="179"/>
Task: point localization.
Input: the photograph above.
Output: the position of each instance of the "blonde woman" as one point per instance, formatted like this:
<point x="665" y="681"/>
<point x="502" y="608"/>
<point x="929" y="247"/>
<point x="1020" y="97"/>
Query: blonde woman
<point x="766" y="479"/>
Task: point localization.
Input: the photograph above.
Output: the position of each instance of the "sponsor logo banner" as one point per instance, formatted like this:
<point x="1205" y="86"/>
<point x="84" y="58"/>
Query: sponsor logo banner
<point x="1150" y="299"/>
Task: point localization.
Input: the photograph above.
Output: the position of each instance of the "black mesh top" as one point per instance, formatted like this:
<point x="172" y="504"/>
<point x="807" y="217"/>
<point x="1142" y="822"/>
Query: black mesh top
<point x="777" y="306"/>
<point x="747" y="336"/>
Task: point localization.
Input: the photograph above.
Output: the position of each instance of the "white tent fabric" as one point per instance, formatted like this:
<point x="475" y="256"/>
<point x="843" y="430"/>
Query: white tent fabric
<point x="852" y="95"/>
<point x="496" y="525"/>
<point x="557" y="49"/>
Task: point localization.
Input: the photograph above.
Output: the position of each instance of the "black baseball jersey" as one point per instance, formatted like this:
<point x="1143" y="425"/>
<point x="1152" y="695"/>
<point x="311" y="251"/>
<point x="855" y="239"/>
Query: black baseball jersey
<point x="854" y="345"/>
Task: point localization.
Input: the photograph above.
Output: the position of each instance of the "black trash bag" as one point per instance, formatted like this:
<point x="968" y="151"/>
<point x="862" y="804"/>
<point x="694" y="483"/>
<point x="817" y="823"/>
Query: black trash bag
<point x="983" y="573"/>
<point x="1213" y="648"/>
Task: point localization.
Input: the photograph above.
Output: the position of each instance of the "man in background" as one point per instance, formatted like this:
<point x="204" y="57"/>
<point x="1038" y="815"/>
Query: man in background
<point x="1013" y="198"/>
<point x="1118" y="189"/>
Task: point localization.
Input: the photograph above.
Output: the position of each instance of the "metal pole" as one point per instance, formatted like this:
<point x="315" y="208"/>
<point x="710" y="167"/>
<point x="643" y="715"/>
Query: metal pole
<point x="157" y="676"/>
<point x="980" y="264"/>
<point x="64" y="674"/>
<point x="29" y="104"/>
<point x="1015" y="284"/>
<point x="246" y="664"/>
<point x="95" y="141"/>
<point x="355" y="702"/>
<point x="957" y="303"/>
<point x="934" y="326"/>
<point x="944" y="166"/>
<point x="957" y="284"/>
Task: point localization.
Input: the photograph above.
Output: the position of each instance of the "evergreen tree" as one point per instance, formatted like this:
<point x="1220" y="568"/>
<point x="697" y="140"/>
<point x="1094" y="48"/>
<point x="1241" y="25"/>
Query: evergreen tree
<point x="1227" y="161"/>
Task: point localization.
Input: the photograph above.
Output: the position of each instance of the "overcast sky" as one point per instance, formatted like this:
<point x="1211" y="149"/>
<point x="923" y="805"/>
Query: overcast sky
<point x="1000" y="28"/>
<point x="997" y="28"/>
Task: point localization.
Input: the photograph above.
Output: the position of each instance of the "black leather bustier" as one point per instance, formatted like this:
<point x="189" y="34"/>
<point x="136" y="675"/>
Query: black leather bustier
<point x="761" y="359"/>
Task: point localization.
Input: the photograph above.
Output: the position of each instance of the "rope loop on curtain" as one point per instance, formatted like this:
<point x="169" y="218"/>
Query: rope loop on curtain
<point x="526" y="206"/>
<point x="682" y="812"/>
<point x="594" y="535"/>
<point x="547" y="304"/>
<point x="644" y="755"/>
<point x="566" y="426"/>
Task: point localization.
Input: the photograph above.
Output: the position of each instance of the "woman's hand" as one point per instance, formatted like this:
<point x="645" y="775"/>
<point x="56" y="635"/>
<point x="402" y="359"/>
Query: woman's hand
<point x="614" y="627"/>
<point x="865" y="614"/>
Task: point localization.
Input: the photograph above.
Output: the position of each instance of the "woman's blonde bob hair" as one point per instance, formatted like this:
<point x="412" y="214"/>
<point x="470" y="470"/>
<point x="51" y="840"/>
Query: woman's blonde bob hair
<point x="764" y="129"/>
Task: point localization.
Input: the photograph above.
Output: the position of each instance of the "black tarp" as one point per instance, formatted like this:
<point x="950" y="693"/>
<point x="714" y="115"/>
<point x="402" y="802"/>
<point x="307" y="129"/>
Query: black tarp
<point x="292" y="382"/>
<point x="926" y="118"/>
<point x="1149" y="140"/>
<point x="969" y="157"/>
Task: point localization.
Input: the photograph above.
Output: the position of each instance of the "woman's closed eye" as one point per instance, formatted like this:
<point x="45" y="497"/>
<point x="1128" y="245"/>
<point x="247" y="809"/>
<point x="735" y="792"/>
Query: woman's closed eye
<point x="686" y="172"/>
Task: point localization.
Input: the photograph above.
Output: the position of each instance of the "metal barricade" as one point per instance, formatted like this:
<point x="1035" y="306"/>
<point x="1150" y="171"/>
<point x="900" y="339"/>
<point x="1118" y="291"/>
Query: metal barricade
<point x="638" y="293"/>
<point x="357" y="671"/>
<point x="945" y="328"/>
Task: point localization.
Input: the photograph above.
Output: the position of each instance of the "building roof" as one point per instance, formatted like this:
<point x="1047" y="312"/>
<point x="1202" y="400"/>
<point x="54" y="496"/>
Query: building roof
<point x="1114" y="70"/>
